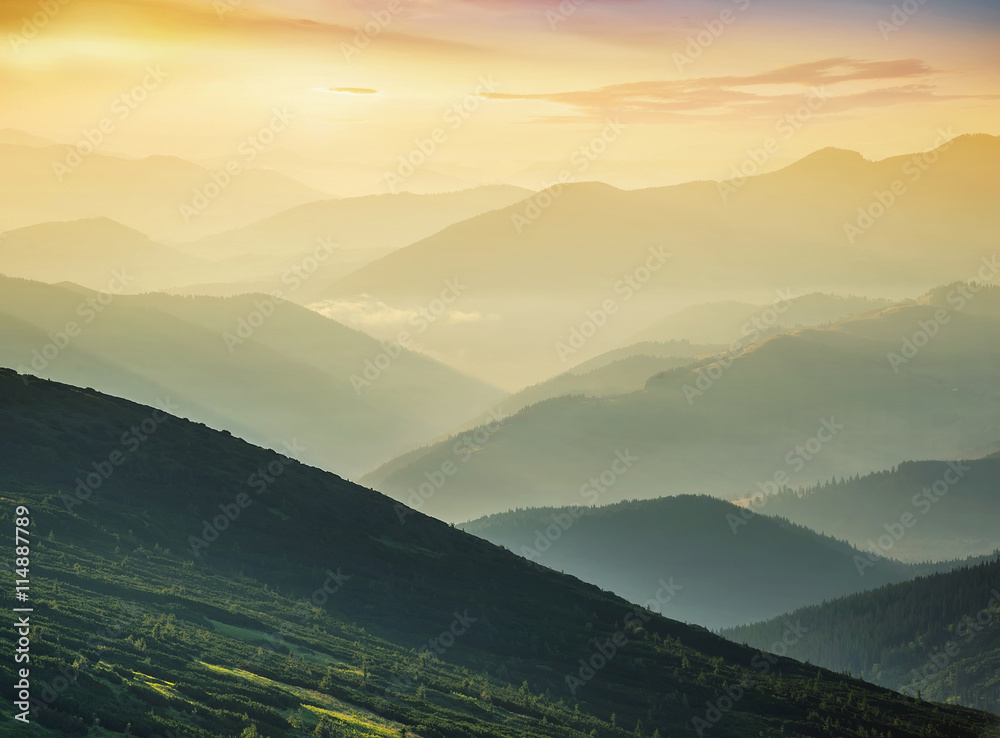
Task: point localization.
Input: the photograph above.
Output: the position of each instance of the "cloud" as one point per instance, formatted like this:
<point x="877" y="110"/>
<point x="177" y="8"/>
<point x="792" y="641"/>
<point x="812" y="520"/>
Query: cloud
<point x="370" y="314"/>
<point x="746" y="95"/>
<point x="351" y="90"/>
<point x="364" y="312"/>
<point x="458" y="316"/>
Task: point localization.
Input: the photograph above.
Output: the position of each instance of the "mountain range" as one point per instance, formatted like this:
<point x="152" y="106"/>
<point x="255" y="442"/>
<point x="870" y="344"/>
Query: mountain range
<point x="258" y="366"/>
<point x="589" y="253"/>
<point x="790" y="410"/>
<point x="187" y="581"/>
<point x="726" y="571"/>
<point x="919" y="511"/>
<point x="55" y="183"/>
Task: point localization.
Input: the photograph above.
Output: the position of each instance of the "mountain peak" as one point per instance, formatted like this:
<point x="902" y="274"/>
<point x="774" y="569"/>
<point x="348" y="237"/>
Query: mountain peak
<point x="825" y="160"/>
<point x="98" y="226"/>
<point x="15" y="137"/>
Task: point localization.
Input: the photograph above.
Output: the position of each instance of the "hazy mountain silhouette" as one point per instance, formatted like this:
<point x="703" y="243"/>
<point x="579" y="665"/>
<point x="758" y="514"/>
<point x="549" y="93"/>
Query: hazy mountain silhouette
<point x="728" y="574"/>
<point x="14" y="137"/>
<point x="381" y="223"/>
<point x="290" y="378"/>
<point x="726" y="322"/>
<point x="567" y="252"/>
<point x="616" y="372"/>
<point x="144" y="194"/>
<point x="795" y="409"/>
<point x="915" y="512"/>
<point x="94" y="253"/>
<point x="359" y="230"/>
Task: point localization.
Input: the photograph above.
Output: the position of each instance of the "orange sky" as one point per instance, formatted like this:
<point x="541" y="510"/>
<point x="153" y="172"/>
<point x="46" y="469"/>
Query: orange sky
<point x="511" y="91"/>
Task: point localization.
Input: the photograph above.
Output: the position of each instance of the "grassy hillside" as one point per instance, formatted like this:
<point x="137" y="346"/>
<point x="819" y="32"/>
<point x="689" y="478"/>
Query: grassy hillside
<point x="318" y="599"/>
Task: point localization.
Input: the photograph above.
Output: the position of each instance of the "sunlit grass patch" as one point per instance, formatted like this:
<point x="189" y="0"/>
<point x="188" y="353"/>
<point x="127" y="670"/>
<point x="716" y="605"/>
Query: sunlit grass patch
<point x="355" y="724"/>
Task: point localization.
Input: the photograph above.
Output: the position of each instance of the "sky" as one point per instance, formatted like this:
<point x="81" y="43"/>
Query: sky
<point x="486" y="91"/>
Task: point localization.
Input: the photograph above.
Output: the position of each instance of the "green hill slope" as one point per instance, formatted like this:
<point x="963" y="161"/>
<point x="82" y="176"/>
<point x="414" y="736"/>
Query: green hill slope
<point x="315" y="598"/>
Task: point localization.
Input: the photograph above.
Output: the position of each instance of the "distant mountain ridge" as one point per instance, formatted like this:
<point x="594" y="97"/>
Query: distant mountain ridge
<point x="937" y="635"/>
<point x="261" y="367"/>
<point x="805" y="228"/>
<point x="725" y="574"/>
<point x="91" y="251"/>
<point x="729" y="425"/>
<point x="143" y="194"/>
<point x="947" y="509"/>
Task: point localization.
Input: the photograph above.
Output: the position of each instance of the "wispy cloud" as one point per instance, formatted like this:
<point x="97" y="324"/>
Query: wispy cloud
<point x="350" y="90"/>
<point x="746" y="95"/>
<point x="371" y="314"/>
